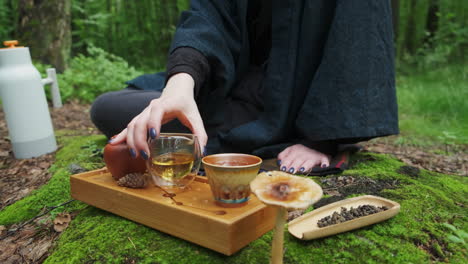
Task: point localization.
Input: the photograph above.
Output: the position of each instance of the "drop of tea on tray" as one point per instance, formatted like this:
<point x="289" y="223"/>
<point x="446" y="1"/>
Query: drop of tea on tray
<point x="220" y="212"/>
<point x="169" y="195"/>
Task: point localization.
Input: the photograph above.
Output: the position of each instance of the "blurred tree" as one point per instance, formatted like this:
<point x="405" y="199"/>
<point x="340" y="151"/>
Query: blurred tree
<point x="7" y="18"/>
<point x="395" y="17"/>
<point x="429" y="25"/>
<point x="138" y="31"/>
<point x="45" y="27"/>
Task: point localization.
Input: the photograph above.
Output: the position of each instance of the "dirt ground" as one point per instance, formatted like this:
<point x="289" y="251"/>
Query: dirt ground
<point x="31" y="242"/>
<point x="19" y="177"/>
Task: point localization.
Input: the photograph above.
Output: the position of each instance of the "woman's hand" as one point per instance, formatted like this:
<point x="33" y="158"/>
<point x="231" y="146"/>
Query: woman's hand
<point x="176" y="101"/>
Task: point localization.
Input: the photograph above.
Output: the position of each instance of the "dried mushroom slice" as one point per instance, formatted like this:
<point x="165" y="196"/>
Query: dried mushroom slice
<point x="285" y="191"/>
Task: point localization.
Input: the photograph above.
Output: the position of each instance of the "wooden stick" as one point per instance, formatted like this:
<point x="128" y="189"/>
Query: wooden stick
<point x="278" y="237"/>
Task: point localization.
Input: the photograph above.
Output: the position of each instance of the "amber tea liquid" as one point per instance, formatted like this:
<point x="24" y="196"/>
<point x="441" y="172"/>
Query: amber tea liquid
<point x="172" y="166"/>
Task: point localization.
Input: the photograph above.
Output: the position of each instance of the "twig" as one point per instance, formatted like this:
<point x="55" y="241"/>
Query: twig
<point x="131" y="242"/>
<point x="50" y="208"/>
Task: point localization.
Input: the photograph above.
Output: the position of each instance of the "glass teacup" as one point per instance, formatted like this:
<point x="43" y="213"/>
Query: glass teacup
<point x="174" y="159"/>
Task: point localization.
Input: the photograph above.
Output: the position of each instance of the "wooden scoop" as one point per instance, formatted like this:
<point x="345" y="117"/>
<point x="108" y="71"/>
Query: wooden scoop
<point x="305" y="227"/>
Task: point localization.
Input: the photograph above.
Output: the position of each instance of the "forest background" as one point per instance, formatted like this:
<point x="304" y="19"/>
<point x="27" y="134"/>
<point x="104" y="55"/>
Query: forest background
<point x="99" y="44"/>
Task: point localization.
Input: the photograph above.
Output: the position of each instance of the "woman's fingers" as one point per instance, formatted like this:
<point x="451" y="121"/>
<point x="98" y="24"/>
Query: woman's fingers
<point x="140" y="134"/>
<point x="130" y="140"/>
<point x="119" y="138"/>
<point x="155" y="118"/>
<point x="198" y="129"/>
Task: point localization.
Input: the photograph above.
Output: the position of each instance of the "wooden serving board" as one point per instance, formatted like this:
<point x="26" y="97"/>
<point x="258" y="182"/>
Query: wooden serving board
<point x="198" y="219"/>
<point x="305" y="227"/>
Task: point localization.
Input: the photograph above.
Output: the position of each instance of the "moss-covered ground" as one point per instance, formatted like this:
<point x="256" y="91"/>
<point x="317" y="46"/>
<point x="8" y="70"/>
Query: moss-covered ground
<point x="416" y="235"/>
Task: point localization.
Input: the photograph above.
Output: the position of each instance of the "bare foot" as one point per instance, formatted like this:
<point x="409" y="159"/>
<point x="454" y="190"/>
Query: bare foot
<point x="301" y="159"/>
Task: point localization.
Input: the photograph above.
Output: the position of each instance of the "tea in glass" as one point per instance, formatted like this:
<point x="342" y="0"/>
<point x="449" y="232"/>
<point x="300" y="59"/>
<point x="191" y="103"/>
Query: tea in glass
<point x="174" y="159"/>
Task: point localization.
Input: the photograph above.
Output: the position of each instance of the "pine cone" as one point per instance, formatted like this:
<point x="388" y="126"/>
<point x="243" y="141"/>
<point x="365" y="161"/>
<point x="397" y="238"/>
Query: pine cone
<point x="133" y="180"/>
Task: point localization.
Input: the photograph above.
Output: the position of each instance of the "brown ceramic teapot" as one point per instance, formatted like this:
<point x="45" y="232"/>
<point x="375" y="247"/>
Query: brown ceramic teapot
<point x="120" y="163"/>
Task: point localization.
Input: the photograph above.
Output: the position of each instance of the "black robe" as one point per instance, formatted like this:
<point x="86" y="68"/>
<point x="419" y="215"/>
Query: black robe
<point x="330" y="72"/>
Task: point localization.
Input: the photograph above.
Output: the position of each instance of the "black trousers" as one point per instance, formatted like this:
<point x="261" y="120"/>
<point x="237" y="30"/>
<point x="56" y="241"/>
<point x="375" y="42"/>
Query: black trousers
<point x="111" y="112"/>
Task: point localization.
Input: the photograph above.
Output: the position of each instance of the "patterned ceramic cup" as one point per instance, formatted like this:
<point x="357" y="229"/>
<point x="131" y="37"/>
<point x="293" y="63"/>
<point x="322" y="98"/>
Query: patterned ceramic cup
<point x="229" y="176"/>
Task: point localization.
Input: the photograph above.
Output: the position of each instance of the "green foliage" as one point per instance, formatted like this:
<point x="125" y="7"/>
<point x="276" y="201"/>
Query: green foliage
<point x="448" y="44"/>
<point x="433" y="105"/>
<point x="92" y="75"/>
<point x="432" y="32"/>
<point x="138" y="31"/>
<point x="7" y="18"/>
<point x="458" y="235"/>
<point x="416" y="235"/>
<point x="79" y="150"/>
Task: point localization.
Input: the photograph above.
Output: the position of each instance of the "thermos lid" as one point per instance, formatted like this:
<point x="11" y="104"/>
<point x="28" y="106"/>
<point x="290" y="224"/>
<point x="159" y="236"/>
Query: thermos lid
<point x="11" y="44"/>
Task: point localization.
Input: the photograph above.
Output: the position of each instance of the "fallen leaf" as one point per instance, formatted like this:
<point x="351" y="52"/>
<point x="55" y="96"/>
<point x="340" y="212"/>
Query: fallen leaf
<point x="61" y="221"/>
<point x="44" y="165"/>
<point x="2" y="228"/>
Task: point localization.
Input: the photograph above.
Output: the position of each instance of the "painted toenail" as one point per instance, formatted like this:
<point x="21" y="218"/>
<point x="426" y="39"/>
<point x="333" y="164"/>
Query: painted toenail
<point x="283" y="168"/>
<point x="302" y="169"/>
<point x="291" y="170"/>
<point x="324" y="165"/>
<point x="279" y="162"/>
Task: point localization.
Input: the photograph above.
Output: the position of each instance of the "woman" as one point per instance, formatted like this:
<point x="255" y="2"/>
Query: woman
<point x="290" y="79"/>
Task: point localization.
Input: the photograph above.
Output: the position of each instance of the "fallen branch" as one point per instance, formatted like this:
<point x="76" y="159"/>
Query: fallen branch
<point x="49" y="209"/>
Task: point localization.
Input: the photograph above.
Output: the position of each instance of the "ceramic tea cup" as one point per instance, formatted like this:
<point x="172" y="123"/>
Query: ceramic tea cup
<point x="229" y="176"/>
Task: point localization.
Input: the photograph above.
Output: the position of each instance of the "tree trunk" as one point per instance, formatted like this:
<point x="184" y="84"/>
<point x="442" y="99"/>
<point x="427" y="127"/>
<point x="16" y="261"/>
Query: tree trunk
<point x="395" y="17"/>
<point x="432" y="19"/>
<point x="45" y="27"/>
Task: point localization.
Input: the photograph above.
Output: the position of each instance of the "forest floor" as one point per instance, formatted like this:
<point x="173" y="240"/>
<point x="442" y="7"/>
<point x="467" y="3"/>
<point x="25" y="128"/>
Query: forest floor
<point x="31" y="241"/>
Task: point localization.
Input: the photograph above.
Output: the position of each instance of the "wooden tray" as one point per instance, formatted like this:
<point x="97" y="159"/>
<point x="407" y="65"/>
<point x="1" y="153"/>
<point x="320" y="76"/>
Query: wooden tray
<point x="305" y="227"/>
<point x="198" y="220"/>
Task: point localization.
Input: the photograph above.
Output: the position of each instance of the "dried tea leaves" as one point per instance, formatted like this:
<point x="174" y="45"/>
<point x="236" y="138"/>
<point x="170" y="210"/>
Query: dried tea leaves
<point x="347" y="215"/>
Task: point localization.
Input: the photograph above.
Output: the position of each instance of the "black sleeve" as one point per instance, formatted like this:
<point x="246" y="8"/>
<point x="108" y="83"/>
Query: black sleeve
<point x="190" y="61"/>
<point x="215" y="29"/>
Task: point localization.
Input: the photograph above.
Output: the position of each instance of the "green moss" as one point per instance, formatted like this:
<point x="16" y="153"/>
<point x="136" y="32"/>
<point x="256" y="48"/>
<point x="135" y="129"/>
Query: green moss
<point x="78" y="150"/>
<point x="415" y="235"/>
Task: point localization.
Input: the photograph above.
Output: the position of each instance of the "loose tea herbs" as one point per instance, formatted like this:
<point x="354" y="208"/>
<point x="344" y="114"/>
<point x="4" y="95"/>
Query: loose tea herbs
<point x="347" y="215"/>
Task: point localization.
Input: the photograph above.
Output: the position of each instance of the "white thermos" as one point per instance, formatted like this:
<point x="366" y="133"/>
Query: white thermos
<point x="24" y="102"/>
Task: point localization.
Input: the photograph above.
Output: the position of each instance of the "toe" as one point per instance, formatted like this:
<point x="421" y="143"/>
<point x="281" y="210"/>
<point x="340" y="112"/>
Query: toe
<point x="287" y="162"/>
<point x="324" y="162"/>
<point x="309" y="164"/>
<point x="296" y="165"/>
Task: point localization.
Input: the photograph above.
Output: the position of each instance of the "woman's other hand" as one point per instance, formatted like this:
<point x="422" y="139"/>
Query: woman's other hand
<point x="176" y="101"/>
